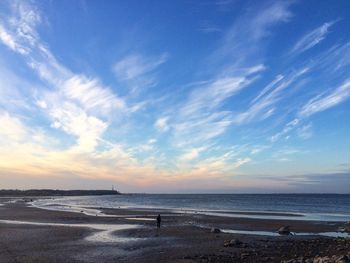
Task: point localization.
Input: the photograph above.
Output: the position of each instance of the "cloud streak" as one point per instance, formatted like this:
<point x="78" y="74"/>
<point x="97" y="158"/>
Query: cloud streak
<point x="325" y="101"/>
<point x="263" y="105"/>
<point x="134" y="66"/>
<point x="202" y="114"/>
<point x="312" y="38"/>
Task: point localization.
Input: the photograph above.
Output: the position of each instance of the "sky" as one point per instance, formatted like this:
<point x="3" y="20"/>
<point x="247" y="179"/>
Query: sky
<point x="175" y="96"/>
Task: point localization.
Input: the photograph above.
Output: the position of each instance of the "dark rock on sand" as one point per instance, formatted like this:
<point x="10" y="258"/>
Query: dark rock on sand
<point x="284" y="230"/>
<point x="215" y="230"/>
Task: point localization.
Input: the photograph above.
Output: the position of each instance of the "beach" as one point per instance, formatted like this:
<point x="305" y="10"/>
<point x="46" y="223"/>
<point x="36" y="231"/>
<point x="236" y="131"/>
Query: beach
<point x="30" y="234"/>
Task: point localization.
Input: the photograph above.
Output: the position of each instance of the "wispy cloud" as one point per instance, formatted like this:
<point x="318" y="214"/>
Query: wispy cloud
<point x="244" y="39"/>
<point x="211" y="96"/>
<point x="91" y="94"/>
<point x="305" y="132"/>
<point x="215" y="167"/>
<point x="22" y="35"/>
<point x="287" y="128"/>
<point x="75" y="121"/>
<point x="263" y="105"/>
<point x="202" y="116"/>
<point x="319" y="103"/>
<point x="269" y="16"/>
<point x="9" y="41"/>
<point x="77" y="103"/>
<point x="241" y="44"/>
<point x="205" y="115"/>
<point x="161" y="124"/>
<point x="191" y="154"/>
<point x="21" y="26"/>
<point x="325" y="101"/>
<point x="256" y="149"/>
<point x="134" y="66"/>
<point x="312" y="38"/>
<point x="139" y="72"/>
<point x="331" y="66"/>
<point x="335" y="60"/>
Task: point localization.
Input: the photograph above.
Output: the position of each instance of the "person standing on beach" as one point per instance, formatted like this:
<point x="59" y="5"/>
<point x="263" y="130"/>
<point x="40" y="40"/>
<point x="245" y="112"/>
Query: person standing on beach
<point x="159" y="219"/>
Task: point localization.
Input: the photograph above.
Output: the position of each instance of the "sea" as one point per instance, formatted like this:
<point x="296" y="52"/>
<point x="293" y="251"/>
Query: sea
<point x="317" y="207"/>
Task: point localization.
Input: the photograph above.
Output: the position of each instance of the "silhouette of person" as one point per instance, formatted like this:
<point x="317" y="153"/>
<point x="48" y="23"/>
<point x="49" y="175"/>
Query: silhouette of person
<point x="159" y="219"/>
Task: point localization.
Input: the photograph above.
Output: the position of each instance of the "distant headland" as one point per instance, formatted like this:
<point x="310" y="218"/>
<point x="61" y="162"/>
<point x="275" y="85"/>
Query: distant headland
<point x="51" y="192"/>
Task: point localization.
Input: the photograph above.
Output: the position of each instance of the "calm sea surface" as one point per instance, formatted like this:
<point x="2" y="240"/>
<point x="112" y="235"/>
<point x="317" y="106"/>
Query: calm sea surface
<point x="297" y="206"/>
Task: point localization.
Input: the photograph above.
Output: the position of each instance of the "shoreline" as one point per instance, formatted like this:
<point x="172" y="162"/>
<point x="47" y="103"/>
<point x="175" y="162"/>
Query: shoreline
<point x="245" y="222"/>
<point x="254" y="214"/>
<point x="130" y="235"/>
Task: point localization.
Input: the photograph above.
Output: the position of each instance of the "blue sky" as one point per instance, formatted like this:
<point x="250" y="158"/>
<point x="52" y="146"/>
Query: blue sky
<point x="181" y="96"/>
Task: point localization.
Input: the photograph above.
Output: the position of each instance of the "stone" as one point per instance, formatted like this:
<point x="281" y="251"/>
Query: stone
<point x="284" y="230"/>
<point x="227" y="243"/>
<point x="215" y="230"/>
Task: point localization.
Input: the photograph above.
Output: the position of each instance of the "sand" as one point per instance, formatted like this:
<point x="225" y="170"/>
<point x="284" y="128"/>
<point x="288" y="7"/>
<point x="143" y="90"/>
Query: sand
<point x="29" y="234"/>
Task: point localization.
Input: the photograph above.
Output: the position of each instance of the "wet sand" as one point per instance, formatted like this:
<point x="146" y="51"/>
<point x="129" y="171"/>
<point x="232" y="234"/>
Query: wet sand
<point x="77" y="237"/>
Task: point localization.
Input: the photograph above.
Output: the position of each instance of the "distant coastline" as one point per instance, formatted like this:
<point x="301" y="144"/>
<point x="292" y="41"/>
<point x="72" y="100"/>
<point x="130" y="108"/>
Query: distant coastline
<point x="51" y="192"/>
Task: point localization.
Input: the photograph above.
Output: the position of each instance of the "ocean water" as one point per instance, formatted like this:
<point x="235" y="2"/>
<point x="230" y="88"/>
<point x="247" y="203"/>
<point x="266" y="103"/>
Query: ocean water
<point x="323" y="207"/>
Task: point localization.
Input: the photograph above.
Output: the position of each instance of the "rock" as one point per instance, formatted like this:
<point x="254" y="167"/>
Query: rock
<point x="215" y="230"/>
<point x="232" y="243"/>
<point x="284" y="230"/>
<point x="227" y="243"/>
